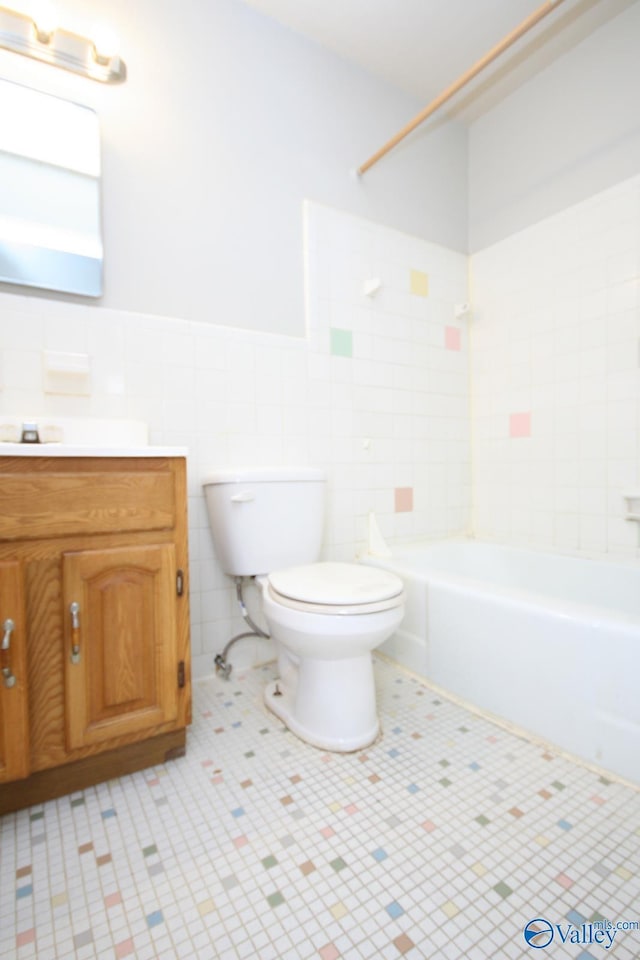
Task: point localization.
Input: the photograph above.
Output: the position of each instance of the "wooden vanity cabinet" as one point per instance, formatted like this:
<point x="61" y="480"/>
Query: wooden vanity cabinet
<point x="94" y="577"/>
<point x="14" y="720"/>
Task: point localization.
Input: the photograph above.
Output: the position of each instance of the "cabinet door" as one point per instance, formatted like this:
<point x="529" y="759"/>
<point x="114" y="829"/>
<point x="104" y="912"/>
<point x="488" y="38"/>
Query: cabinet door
<point x="120" y="636"/>
<point x="14" y="718"/>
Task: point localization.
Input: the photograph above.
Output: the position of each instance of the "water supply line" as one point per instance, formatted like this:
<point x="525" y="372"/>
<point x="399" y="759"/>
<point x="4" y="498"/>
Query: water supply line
<point x="220" y="661"/>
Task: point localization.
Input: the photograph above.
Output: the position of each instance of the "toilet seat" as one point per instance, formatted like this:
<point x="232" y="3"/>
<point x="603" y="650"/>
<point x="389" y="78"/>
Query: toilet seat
<point x="336" y="589"/>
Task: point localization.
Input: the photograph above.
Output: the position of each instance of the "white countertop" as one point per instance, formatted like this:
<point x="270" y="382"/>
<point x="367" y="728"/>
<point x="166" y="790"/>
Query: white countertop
<point x="76" y="450"/>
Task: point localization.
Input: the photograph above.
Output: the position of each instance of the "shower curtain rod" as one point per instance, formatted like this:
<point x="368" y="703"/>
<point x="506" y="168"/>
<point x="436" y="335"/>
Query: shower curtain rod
<point x="462" y="81"/>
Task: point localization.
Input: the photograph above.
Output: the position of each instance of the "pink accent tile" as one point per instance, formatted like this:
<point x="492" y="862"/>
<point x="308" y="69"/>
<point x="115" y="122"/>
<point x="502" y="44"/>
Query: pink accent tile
<point x="520" y="424"/>
<point x="564" y="880"/>
<point x="207" y="763"/>
<point x="598" y="800"/>
<point x="330" y="952"/>
<point x="452" y="338"/>
<point x="124" y="949"/>
<point x="153" y="783"/>
<point x="27" y="936"/>
<point x="428" y="826"/>
<point x="351" y="808"/>
<point x="240" y="842"/>
<point x="492" y="739"/>
<point x="328" y="832"/>
<point x="207" y="714"/>
<point x="113" y="899"/>
<point x="403" y="499"/>
<point x="326" y="758"/>
<point x="217" y="779"/>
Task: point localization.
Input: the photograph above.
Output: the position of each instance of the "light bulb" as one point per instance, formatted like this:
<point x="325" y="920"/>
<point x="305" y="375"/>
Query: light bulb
<point x="105" y="42"/>
<point x="44" y="17"/>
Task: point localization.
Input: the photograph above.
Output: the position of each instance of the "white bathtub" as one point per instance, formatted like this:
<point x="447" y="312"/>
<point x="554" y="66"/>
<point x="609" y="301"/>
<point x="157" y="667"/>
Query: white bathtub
<point x="547" y="642"/>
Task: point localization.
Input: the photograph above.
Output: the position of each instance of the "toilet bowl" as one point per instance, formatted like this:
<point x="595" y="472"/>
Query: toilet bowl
<point x="326" y="618"/>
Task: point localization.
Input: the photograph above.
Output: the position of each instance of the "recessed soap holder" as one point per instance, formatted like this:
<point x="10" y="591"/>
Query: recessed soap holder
<point x="632" y="501"/>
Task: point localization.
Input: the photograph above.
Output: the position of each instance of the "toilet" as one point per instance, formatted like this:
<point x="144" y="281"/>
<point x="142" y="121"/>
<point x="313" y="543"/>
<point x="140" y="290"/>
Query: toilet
<point x="324" y="617"/>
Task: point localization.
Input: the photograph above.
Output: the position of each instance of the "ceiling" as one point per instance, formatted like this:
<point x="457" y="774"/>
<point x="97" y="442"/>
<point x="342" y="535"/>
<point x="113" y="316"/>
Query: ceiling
<point x="422" y="46"/>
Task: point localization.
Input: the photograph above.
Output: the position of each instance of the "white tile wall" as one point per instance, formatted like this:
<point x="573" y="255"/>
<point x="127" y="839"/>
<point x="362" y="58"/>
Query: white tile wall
<point x="556" y="334"/>
<point x="395" y="414"/>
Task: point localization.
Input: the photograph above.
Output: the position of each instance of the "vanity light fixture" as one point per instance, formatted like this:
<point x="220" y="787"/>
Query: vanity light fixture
<point x="58" y="47"/>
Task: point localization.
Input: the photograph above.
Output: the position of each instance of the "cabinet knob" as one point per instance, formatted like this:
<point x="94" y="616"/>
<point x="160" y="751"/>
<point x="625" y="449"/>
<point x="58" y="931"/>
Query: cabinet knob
<point x="5" y="656"/>
<point x="74" y="610"/>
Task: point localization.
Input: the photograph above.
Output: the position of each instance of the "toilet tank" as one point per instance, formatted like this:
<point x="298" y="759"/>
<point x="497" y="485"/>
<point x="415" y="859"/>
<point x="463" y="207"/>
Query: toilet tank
<point x="265" y="519"/>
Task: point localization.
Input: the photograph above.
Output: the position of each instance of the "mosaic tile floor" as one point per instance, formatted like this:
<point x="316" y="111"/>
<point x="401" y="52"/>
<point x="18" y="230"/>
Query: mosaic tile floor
<point x="440" y="841"/>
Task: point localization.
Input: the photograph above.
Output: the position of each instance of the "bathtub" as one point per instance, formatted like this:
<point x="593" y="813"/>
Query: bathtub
<point x="547" y="642"/>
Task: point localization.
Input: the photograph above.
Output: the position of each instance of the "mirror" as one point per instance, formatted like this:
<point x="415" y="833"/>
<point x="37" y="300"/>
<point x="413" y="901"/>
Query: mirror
<point x="50" y="235"/>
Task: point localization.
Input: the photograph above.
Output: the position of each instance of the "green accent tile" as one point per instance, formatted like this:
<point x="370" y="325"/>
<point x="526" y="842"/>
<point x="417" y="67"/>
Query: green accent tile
<point x="445" y="782"/>
<point x="36" y="816"/>
<point x="503" y="890"/>
<point x="78" y="802"/>
<point x="463" y="729"/>
<point x="275" y="899"/>
<point x="482" y="820"/>
<point x="341" y="342"/>
<point x="596" y="917"/>
<point x="444" y="763"/>
<point x="250" y="754"/>
<point x="606" y="782"/>
<point x="149" y="851"/>
<point x="338" y="864"/>
<point x="269" y="862"/>
<point x="558" y="785"/>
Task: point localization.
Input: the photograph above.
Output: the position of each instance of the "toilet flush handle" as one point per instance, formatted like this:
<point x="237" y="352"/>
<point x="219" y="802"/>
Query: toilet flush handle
<point x="246" y="496"/>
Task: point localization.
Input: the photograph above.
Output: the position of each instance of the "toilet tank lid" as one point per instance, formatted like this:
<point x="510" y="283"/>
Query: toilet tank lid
<point x="262" y="475"/>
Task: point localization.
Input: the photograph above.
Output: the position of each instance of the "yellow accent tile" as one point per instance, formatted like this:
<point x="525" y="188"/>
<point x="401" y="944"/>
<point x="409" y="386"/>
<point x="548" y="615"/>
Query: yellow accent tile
<point x="542" y="840"/>
<point x="339" y="911"/>
<point x="59" y="899"/>
<point x="334" y="807"/>
<point x="349" y="781"/>
<point x="419" y="283"/>
<point x="207" y="906"/>
<point x="479" y="869"/>
<point x="450" y="909"/>
<point x="623" y="872"/>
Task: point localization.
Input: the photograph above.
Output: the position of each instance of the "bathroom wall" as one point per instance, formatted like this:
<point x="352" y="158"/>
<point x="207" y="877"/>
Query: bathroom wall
<point x="377" y="394"/>
<point x="226" y="122"/>
<point x="556" y="379"/>
<point x="554" y="223"/>
<point x="567" y="134"/>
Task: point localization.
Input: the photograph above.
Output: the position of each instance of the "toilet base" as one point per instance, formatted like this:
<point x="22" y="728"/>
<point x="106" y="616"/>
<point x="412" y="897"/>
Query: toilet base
<point x="329" y="704"/>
